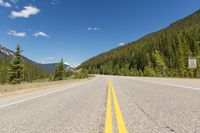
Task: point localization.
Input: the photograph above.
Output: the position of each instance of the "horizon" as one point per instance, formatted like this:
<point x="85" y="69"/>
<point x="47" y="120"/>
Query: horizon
<point x="30" y="24"/>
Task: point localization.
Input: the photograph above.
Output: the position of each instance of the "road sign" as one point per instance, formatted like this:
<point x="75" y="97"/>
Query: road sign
<point x="192" y="63"/>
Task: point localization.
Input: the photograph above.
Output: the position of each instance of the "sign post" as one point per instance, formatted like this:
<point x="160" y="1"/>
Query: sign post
<point x="192" y="63"/>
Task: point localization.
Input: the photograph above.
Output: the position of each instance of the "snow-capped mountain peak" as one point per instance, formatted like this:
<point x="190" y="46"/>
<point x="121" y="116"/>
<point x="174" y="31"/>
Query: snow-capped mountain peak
<point x="72" y="66"/>
<point x="6" y="51"/>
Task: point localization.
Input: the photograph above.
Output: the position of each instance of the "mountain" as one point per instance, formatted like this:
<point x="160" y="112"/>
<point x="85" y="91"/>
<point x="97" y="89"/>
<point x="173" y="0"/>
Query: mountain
<point x="7" y="53"/>
<point x="162" y="53"/>
<point x="51" y="67"/>
<point x="4" y="52"/>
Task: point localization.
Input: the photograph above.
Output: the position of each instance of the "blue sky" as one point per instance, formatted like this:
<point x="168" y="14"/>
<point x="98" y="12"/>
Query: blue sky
<point x="76" y="30"/>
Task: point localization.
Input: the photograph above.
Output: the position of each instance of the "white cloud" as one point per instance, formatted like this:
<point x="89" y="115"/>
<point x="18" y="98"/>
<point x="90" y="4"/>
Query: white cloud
<point x="25" y="13"/>
<point x="40" y="34"/>
<point x="17" y="34"/>
<point x="121" y="44"/>
<point x="5" y="4"/>
<point x="93" y="28"/>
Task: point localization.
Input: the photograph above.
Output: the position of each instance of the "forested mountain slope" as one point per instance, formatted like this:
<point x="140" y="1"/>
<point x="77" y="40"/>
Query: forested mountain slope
<point x="162" y="53"/>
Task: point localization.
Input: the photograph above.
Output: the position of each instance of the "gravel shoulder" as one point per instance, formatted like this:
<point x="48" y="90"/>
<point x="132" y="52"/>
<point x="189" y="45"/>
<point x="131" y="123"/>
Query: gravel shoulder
<point x="9" y="90"/>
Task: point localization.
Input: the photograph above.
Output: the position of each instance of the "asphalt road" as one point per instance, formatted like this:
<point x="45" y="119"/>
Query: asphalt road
<point x="137" y="105"/>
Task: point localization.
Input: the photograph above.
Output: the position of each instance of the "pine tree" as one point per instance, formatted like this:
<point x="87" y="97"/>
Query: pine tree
<point x="159" y="62"/>
<point x="59" y="72"/>
<point x="16" y="68"/>
<point x="3" y="70"/>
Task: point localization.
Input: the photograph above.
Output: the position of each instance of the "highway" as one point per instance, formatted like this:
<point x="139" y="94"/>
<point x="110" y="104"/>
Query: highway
<point x="109" y="104"/>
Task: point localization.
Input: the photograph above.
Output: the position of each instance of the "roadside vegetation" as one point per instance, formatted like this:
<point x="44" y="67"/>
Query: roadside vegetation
<point x="60" y="70"/>
<point x="61" y="73"/>
<point x="82" y="73"/>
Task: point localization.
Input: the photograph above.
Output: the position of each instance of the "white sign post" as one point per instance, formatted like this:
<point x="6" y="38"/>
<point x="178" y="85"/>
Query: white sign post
<point x="192" y="63"/>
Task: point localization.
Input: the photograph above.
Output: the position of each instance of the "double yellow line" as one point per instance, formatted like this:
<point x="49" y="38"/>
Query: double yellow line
<point x="108" y="121"/>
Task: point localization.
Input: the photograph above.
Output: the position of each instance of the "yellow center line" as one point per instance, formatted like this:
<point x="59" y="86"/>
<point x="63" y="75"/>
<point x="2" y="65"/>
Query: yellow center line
<point x="120" y="121"/>
<point x="108" y="122"/>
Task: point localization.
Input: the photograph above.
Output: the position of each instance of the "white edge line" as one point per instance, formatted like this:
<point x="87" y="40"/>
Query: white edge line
<point x="28" y="99"/>
<point x="180" y="86"/>
<point x="38" y="96"/>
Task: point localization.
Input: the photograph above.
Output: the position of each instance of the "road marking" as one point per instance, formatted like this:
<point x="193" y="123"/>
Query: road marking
<point x="28" y="99"/>
<point x="118" y="114"/>
<point x="44" y="94"/>
<point x="167" y="84"/>
<point x="120" y="121"/>
<point x="108" y="122"/>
